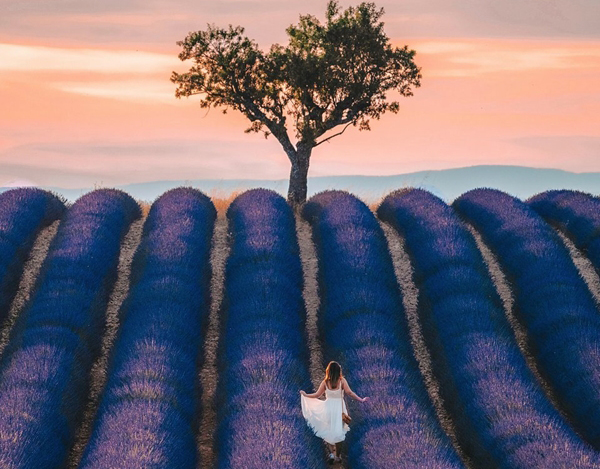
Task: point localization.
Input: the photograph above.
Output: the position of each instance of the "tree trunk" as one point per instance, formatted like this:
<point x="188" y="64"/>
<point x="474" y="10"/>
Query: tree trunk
<point x="299" y="177"/>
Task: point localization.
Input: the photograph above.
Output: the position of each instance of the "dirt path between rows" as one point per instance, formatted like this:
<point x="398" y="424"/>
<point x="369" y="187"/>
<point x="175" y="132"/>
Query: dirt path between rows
<point x="31" y="270"/>
<point x="209" y="373"/>
<point x="310" y="268"/>
<point x="584" y="267"/>
<point x="503" y="288"/>
<point x="99" y="370"/>
<point x="410" y="299"/>
<point x="312" y="301"/>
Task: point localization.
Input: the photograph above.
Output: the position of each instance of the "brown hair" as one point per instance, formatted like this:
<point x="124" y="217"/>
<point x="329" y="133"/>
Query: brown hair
<point x="333" y="374"/>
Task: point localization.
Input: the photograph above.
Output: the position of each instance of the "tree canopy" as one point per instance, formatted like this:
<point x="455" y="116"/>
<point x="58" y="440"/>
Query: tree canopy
<point x="330" y="75"/>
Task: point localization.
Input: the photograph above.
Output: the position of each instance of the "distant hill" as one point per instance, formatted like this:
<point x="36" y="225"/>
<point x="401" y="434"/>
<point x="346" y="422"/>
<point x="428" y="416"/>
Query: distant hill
<point x="448" y="184"/>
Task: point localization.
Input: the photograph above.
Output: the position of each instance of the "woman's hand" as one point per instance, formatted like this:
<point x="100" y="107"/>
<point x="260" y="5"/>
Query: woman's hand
<point x="363" y="399"/>
<point x="303" y="393"/>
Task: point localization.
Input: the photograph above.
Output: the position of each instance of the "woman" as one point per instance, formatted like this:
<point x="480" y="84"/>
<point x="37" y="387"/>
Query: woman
<point x="325" y="416"/>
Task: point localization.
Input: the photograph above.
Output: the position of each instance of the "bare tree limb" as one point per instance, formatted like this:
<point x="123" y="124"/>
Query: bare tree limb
<point x="278" y="130"/>
<point x="334" y="135"/>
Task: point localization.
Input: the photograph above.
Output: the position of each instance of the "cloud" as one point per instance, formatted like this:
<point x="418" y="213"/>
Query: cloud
<point x="79" y="164"/>
<point x="464" y="58"/>
<point x="127" y="75"/>
<point x="437" y="47"/>
<point x="143" y="91"/>
<point x="14" y="57"/>
<point x="514" y="59"/>
<point x="161" y="24"/>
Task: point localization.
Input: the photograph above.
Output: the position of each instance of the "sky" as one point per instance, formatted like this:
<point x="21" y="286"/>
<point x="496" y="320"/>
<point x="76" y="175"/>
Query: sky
<point x="86" y="96"/>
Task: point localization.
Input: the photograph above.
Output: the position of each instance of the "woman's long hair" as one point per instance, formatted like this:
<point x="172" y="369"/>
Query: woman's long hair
<point x="333" y="374"/>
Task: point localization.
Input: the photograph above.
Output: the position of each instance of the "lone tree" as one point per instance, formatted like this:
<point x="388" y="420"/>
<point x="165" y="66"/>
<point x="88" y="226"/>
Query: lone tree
<point x="328" y="77"/>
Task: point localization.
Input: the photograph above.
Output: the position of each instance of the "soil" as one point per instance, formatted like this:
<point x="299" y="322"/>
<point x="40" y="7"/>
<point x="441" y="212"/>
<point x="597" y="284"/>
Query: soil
<point x="584" y="266"/>
<point x="310" y="268"/>
<point x="504" y="290"/>
<point x="209" y="373"/>
<point x="410" y="299"/>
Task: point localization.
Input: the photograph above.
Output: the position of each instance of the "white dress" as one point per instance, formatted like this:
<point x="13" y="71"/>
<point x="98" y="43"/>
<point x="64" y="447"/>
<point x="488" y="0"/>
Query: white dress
<point x="325" y="417"/>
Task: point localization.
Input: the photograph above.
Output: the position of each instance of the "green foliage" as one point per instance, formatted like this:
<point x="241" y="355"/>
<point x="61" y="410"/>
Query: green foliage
<point x="330" y="74"/>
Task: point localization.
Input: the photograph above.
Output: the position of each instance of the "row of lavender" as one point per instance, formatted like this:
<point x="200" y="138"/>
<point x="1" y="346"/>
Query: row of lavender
<point x="263" y="354"/>
<point x="502" y="416"/>
<point x="577" y="214"/>
<point x="148" y="411"/>
<point x="363" y="326"/>
<point x="44" y="370"/>
<point x="23" y="214"/>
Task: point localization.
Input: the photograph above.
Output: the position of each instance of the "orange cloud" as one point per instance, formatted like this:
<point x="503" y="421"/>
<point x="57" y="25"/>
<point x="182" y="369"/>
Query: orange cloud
<point x="20" y="58"/>
<point x="140" y="90"/>
<point x="476" y="57"/>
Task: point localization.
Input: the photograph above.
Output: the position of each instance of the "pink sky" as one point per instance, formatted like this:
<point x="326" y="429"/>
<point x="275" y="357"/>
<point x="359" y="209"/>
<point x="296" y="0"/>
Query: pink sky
<point x="86" y="95"/>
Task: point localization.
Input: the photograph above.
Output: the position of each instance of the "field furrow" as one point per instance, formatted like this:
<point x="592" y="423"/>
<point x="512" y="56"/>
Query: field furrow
<point x="23" y="214"/>
<point x="209" y="373"/>
<point x="310" y="294"/>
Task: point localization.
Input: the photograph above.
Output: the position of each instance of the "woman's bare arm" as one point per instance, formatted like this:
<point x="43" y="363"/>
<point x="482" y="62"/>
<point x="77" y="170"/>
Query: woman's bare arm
<point x="351" y="393"/>
<point x="318" y="393"/>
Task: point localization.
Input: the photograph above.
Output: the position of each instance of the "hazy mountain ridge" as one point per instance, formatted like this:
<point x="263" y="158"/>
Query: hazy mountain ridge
<point x="448" y="184"/>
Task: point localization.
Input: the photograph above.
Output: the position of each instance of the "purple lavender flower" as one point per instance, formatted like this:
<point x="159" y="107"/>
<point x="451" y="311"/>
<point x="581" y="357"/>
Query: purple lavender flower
<point x="263" y="356"/>
<point x="149" y="408"/>
<point x="24" y="212"/>
<point x="44" y="369"/>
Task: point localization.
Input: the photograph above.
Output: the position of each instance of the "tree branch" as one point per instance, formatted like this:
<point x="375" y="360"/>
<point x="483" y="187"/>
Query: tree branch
<point x="334" y="135"/>
<point x="278" y="130"/>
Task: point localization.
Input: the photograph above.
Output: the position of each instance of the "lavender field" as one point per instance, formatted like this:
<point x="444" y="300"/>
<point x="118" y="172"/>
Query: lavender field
<point x="178" y="335"/>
